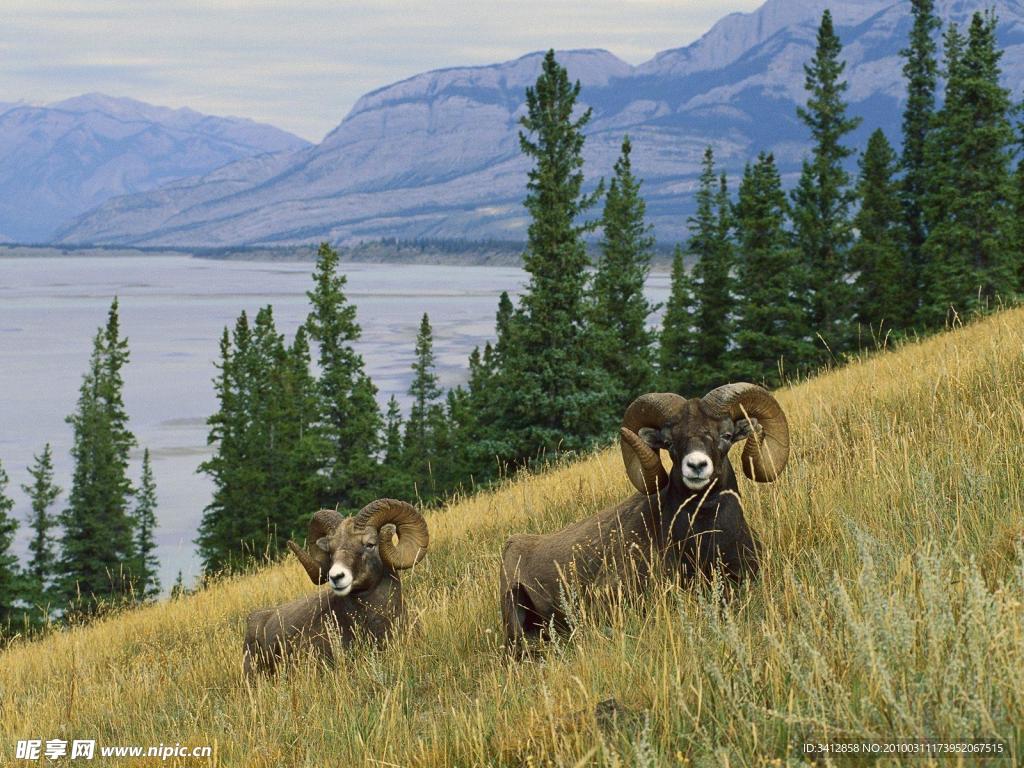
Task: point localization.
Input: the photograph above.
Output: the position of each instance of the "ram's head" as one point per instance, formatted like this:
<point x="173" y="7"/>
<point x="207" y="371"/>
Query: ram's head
<point x="353" y="554"/>
<point x="698" y="434"/>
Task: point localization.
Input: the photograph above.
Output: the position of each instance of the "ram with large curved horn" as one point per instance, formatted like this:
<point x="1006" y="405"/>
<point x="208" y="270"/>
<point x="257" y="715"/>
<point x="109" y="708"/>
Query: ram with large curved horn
<point x="687" y="518"/>
<point x="358" y="559"/>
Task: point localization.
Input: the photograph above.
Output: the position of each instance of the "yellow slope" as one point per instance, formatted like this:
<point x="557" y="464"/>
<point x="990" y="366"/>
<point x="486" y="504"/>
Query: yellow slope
<point x="892" y="605"/>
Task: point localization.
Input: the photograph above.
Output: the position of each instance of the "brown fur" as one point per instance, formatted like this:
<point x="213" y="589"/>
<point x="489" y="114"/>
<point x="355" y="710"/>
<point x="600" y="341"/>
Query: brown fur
<point x="319" y="621"/>
<point x="688" y="531"/>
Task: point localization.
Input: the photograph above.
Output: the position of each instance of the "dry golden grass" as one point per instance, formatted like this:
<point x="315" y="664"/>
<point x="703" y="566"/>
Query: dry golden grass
<point x="891" y="605"/>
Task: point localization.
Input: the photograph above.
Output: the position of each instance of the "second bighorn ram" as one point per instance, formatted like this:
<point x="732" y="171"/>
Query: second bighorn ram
<point x="690" y="519"/>
<point x="360" y="562"/>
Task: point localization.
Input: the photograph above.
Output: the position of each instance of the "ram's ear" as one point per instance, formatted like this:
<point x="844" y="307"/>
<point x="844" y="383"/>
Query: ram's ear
<point x="323" y="544"/>
<point x="655" y="438"/>
<point x="745" y="428"/>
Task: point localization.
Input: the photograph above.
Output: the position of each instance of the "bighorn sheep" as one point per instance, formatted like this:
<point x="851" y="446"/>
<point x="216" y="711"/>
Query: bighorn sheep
<point x="689" y="519"/>
<point x="360" y="563"/>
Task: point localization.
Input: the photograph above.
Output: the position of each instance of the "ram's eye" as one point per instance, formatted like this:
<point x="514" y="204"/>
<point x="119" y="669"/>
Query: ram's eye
<point x="371" y="544"/>
<point x="727" y="436"/>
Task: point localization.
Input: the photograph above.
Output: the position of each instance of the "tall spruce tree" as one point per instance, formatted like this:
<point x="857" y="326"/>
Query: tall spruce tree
<point x="710" y="244"/>
<point x="623" y="344"/>
<point x="147" y="583"/>
<point x="268" y="445"/>
<point x="42" y="493"/>
<point x="351" y="418"/>
<point x="396" y="481"/>
<point x="770" y="311"/>
<point x="944" y="270"/>
<point x="98" y="545"/>
<point x="555" y="395"/>
<point x="824" y="195"/>
<point x="920" y="69"/>
<point x="301" y="435"/>
<point x="265" y="447"/>
<point x="970" y="247"/>
<point x="11" y="583"/>
<point x="225" y="524"/>
<point x="479" y="413"/>
<point x="419" y="449"/>
<point x="878" y="255"/>
<point x="393" y="433"/>
<point x="676" y="342"/>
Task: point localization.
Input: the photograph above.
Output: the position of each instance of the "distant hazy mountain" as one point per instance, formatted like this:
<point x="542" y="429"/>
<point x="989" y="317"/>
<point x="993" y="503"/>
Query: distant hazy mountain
<point x="60" y="160"/>
<point x="437" y="155"/>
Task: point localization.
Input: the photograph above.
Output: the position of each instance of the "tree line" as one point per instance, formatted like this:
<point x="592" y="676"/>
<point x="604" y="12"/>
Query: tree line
<point x="99" y="550"/>
<point x="770" y="286"/>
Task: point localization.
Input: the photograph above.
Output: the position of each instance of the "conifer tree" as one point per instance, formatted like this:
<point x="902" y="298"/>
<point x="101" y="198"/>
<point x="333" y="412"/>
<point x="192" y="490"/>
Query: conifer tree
<point x="455" y="467"/>
<point x="263" y="443"/>
<point x="970" y="248"/>
<point x="624" y="346"/>
<point x="420" y="445"/>
<point x="281" y="490"/>
<point x="710" y="245"/>
<point x="824" y="195"/>
<point x="98" y="545"/>
<point x="42" y="493"/>
<point x="554" y="392"/>
<point x="301" y="434"/>
<point x="393" y="433"/>
<point x="396" y="482"/>
<point x="920" y="69"/>
<point x="878" y="255"/>
<point x="225" y="524"/>
<point x="676" y="347"/>
<point x="268" y="445"/>
<point x="147" y="583"/>
<point x="479" y="413"/>
<point x="11" y="584"/>
<point x="769" y="307"/>
<point x="474" y="431"/>
<point x="351" y="418"/>
<point x="492" y="381"/>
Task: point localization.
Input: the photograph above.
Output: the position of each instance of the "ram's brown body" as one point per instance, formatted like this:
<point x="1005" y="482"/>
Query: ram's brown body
<point x="667" y="524"/>
<point x="616" y="547"/>
<point x="318" y="622"/>
<point x="364" y="598"/>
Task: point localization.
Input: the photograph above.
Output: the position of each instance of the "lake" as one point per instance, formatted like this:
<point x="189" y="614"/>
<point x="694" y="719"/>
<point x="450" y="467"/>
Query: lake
<point x="173" y="311"/>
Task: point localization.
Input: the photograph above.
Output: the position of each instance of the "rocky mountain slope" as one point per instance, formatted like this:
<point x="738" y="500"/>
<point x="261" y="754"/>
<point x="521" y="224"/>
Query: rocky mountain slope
<point x="437" y="155"/>
<point x="60" y="160"/>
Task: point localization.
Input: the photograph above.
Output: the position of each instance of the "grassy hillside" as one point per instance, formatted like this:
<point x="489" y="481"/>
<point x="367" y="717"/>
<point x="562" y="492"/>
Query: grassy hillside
<point x="892" y="605"/>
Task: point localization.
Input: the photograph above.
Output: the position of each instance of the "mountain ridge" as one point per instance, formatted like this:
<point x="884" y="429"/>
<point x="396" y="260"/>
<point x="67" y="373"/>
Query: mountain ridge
<point x="60" y="160"/>
<point x="436" y="155"/>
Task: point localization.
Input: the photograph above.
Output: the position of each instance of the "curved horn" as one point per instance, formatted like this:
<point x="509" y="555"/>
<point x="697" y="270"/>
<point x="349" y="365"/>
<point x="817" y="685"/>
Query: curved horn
<point x="410" y="526"/>
<point x="764" y="456"/>
<point x="315" y="560"/>
<point x="643" y="464"/>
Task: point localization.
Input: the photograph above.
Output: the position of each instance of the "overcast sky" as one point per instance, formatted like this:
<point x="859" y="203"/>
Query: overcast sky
<point x="301" y="65"/>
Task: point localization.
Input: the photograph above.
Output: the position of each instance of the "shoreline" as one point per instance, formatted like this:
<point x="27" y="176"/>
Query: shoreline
<point x="431" y="253"/>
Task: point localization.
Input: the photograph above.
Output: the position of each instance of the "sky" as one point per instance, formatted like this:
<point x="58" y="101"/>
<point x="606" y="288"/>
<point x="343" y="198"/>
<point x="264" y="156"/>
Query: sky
<point x="301" y="65"/>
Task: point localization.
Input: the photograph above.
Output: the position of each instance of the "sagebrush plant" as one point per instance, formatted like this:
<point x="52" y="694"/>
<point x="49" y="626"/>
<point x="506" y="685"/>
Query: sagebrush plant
<point x="891" y="604"/>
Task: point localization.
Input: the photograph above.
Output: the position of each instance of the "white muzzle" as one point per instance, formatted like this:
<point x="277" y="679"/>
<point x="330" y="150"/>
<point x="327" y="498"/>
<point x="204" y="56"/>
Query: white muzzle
<point x="697" y="470"/>
<point x="341" y="579"/>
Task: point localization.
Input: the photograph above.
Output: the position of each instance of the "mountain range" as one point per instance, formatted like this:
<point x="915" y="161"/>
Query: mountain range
<point x="437" y="156"/>
<point x="61" y="160"/>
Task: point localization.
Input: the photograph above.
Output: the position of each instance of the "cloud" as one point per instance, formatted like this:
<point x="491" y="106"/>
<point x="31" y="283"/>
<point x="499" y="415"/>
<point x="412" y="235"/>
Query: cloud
<point x="301" y="65"/>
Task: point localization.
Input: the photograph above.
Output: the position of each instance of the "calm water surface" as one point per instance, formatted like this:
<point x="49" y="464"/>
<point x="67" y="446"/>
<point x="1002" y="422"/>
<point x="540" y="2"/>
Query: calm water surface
<point x="173" y="310"/>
